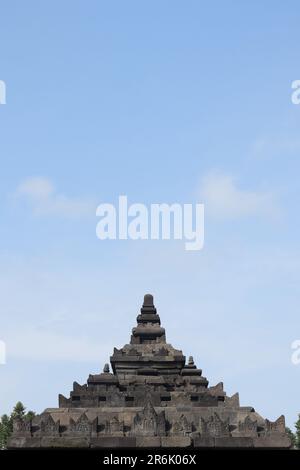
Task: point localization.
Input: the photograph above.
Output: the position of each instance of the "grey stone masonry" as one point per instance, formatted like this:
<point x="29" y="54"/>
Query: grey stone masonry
<point x="152" y="397"/>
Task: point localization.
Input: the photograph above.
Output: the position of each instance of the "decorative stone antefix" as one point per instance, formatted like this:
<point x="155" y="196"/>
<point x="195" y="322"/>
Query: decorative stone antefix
<point x="22" y="426"/>
<point x="217" y="390"/>
<point x="232" y="402"/>
<point x="277" y="426"/>
<point x="149" y="423"/>
<point x="182" y="427"/>
<point x="48" y="426"/>
<point x="247" y="428"/>
<point x="83" y="426"/>
<point x="152" y="397"/>
<point x="115" y="427"/>
<point x="215" y="427"/>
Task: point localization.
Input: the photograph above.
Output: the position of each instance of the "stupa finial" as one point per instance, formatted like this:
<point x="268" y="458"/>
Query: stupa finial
<point x="148" y="300"/>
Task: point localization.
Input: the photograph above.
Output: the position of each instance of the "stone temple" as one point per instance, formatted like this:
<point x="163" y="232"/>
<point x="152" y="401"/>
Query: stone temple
<point x="153" y="398"/>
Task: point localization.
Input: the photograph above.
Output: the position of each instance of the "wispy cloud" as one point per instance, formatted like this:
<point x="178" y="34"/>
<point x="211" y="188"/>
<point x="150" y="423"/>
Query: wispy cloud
<point x="44" y="199"/>
<point x="224" y="198"/>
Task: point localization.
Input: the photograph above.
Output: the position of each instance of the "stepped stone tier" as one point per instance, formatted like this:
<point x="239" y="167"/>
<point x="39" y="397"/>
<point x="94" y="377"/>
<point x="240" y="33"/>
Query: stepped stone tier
<point x="151" y="398"/>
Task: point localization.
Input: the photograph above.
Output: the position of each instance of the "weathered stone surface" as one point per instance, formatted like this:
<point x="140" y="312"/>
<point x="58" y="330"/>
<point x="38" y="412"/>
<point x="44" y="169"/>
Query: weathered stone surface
<point x="24" y="442"/>
<point x="274" y="441"/>
<point x="151" y="398"/>
<point x="107" y="441"/>
<point x="176" y="441"/>
<point x="146" y="441"/>
<point x="236" y="442"/>
<point x="205" y="442"/>
<point x="55" y="442"/>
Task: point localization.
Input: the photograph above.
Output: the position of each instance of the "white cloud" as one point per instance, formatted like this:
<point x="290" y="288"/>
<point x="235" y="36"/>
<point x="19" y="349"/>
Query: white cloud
<point x="45" y="200"/>
<point x="36" y="188"/>
<point x="224" y="199"/>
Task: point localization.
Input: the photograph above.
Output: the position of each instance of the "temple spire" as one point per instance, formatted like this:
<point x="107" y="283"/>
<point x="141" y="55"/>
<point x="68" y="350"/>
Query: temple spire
<point x="148" y="311"/>
<point x="148" y="324"/>
<point x="148" y="305"/>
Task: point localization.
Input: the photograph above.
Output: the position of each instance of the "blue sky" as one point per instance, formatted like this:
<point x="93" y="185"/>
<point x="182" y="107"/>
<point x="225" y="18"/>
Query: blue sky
<point x="164" y="102"/>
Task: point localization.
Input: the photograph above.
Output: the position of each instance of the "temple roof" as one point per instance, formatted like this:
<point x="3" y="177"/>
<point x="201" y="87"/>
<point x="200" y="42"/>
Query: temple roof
<point x="151" y="397"/>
